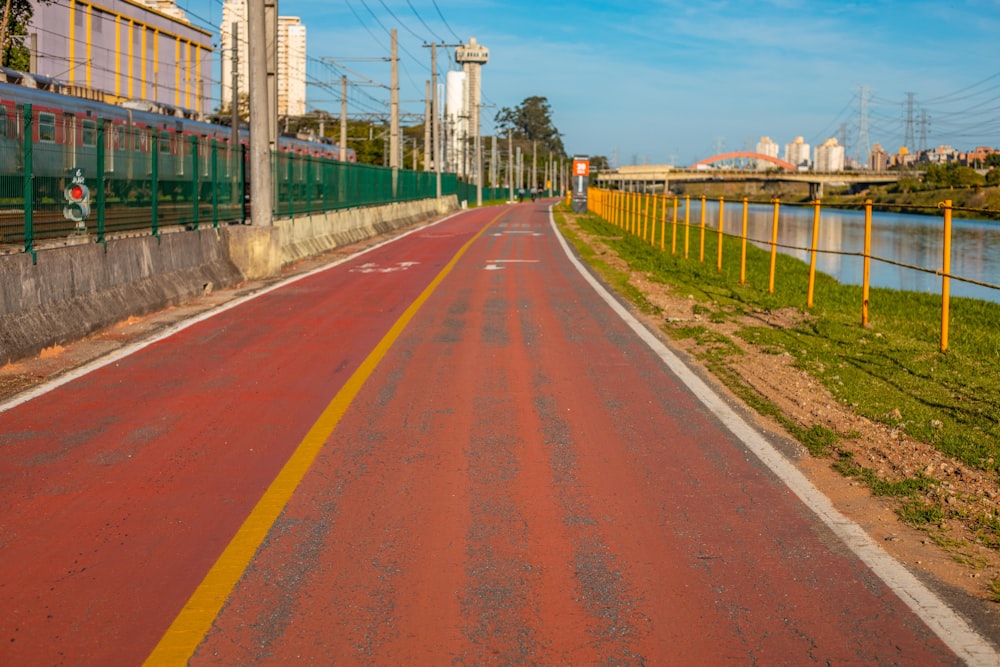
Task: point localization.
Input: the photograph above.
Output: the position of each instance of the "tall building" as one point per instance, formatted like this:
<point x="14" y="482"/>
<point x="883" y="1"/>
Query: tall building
<point x="878" y="159"/>
<point x="766" y="147"/>
<point x="797" y="153"/>
<point x="291" y="66"/>
<point x="234" y="29"/>
<point x="829" y="156"/>
<point x="118" y="50"/>
<point x="291" y="63"/>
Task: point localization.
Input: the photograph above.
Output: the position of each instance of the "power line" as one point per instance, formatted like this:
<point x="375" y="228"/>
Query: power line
<point x="443" y="20"/>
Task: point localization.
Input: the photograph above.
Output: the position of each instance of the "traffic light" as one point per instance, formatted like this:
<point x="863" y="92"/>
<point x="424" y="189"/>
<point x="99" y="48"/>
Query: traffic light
<point x="77" y="202"/>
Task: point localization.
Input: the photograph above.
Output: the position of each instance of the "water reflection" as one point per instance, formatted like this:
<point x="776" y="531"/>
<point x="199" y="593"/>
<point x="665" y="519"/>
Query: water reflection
<point x="916" y="240"/>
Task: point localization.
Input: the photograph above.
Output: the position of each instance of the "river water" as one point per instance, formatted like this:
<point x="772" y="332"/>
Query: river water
<point x="916" y="240"/>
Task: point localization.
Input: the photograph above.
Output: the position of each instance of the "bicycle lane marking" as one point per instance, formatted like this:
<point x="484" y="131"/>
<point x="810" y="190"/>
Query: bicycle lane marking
<point x="191" y="625"/>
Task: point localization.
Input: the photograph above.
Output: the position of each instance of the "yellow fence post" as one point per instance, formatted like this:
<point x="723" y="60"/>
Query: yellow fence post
<point x="645" y="214"/>
<point x="812" y="256"/>
<point x="673" y="240"/>
<point x="701" y="252"/>
<point x="774" y="246"/>
<point x="946" y="276"/>
<point x="687" y="224"/>
<point x="866" y="274"/>
<point x="634" y="205"/>
<point x="663" y="225"/>
<point x="743" y="245"/>
<point x="652" y="221"/>
<point x="718" y="264"/>
<point x="628" y="212"/>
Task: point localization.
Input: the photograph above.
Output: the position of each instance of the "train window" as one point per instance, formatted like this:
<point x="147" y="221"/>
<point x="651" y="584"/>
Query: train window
<point x="207" y="147"/>
<point x="179" y="161"/>
<point x="3" y="121"/>
<point x="89" y="132"/>
<point x="47" y="127"/>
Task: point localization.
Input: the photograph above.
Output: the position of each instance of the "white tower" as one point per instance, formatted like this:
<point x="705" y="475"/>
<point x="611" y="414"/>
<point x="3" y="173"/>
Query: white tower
<point x="457" y="120"/>
<point x="472" y="57"/>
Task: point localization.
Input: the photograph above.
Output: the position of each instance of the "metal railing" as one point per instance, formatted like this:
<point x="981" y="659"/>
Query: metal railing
<point x="143" y="180"/>
<point x="664" y="221"/>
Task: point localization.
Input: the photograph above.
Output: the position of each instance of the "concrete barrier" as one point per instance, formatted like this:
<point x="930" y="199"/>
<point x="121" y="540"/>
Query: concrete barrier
<point x="75" y="290"/>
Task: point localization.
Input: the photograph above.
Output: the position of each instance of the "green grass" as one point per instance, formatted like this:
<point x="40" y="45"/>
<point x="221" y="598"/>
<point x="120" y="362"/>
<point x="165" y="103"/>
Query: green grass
<point x="893" y="367"/>
<point x="891" y="371"/>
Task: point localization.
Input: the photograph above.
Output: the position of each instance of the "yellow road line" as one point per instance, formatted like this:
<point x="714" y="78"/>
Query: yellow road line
<point x="188" y="630"/>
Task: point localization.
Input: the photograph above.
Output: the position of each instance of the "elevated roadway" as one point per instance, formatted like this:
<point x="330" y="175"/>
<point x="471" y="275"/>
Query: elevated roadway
<point x="455" y="448"/>
<point x="644" y="177"/>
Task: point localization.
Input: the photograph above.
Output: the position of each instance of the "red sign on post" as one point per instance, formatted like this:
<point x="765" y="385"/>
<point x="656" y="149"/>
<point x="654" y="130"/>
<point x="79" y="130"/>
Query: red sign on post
<point x="581" y="167"/>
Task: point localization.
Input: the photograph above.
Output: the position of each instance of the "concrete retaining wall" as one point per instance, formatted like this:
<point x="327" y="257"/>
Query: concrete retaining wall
<point x="72" y="291"/>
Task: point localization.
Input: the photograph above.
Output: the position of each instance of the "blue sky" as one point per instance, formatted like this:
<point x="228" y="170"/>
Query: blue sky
<point x="675" y="82"/>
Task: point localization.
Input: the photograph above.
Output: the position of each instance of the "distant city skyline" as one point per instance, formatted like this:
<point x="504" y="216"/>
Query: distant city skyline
<point x="671" y="82"/>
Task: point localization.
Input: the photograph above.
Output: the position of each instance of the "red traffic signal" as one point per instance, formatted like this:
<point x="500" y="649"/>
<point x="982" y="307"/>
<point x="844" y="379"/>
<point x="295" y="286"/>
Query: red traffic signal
<point x="77" y="206"/>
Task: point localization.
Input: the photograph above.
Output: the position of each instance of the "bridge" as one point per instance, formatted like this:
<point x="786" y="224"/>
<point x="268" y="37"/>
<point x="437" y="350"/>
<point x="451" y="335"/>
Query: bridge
<point x="740" y="166"/>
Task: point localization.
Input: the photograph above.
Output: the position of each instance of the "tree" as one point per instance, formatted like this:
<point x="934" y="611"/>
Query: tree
<point x="951" y="174"/>
<point x="13" y="29"/>
<point x="599" y="162"/>
<point x="531" y="121"/>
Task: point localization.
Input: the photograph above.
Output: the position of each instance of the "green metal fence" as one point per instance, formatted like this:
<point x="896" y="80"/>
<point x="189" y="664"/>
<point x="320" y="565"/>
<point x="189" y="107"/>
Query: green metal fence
<point x="143" y="180"/>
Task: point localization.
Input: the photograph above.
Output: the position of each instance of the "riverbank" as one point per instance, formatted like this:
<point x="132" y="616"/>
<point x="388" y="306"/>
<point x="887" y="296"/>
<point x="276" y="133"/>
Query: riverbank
<point x="974" y="203"/>
<point x="880" y="408"/>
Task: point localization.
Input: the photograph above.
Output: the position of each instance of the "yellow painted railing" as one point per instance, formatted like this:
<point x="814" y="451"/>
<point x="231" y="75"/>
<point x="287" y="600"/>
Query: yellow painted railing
<point x="638" y="214"/>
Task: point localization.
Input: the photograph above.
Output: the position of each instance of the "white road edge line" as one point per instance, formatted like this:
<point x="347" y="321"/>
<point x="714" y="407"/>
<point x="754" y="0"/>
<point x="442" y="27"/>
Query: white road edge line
<point x="177" y="327"/>
<point x="945" y="622"/>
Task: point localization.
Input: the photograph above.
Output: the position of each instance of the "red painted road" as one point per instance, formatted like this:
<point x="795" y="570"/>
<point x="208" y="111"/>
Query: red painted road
<point x="519" y="481"/>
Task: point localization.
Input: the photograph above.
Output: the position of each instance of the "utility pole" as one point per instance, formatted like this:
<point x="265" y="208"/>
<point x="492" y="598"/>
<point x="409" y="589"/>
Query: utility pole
<point x="235" y="111"/>
<point x="394" y="109"/>
<point x="271" y="40"/>
<point x="260" y="119"/>
<point x="534" y="163"/>
<point x="479" y="170"/>
<point x="510" y="161"/>
<point x="427" y="128"/>
<point x="493" y="161"/>
<point x="343" y="118"/>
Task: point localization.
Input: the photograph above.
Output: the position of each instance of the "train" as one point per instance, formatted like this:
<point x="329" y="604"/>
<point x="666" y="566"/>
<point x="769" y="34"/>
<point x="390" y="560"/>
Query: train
<point x="64" y="136"/>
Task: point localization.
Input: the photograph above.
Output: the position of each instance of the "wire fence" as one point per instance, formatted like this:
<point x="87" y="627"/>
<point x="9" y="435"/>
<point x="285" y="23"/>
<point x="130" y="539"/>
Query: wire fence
<point x="664" y="221"/>
<point x="68" y="178"/>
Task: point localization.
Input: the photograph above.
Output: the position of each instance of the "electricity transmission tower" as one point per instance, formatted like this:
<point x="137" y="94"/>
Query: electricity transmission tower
<point x="863" y="146"/>
<point x="908" y="139"/>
